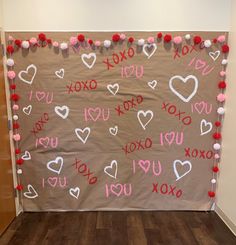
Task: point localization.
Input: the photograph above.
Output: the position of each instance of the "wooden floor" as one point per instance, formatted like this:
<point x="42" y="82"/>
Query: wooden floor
<point x="118" y="228"/>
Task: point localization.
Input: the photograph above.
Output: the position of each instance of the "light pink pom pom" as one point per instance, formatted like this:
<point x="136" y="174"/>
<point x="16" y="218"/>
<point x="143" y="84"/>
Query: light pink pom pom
<point x="221" y="97"/>
<point x="216" y="156"/>
<point x="97" y="43"/>
<point x="222" y="73"/>
<point x="122" y="36"/>
<point x="55" y="44"/>
<point x="15" y="107"/>
<point x="177" y="40"/>
<point x="33" y="40"/>
<point x="73" y="41"/>
<point x="16" y="137"/>
<point x="151" y="40"/>
<point x="11" y="74"/>
<point x="221" y="39"/>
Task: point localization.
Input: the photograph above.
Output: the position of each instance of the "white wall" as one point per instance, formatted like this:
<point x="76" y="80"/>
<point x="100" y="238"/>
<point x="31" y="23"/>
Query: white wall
<point x="116" y="15"/>
<point x="226" y="194"/>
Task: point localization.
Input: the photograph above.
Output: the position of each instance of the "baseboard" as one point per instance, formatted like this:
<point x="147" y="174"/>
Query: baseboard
<point x="226" y="219"/>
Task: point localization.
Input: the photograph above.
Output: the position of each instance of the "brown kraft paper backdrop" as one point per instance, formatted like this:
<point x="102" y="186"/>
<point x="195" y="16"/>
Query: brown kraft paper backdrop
<point x="57" y="182"/>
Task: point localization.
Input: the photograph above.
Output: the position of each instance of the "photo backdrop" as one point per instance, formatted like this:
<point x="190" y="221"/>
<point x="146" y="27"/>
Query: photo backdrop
<point x="124" y="127"/>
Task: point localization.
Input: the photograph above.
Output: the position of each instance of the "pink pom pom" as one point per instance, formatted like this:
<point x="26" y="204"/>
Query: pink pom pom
<point x="15" y="107"/>
<point x="55" y="44"/>
<point x="97" y="43"/>
<point x="221" y="97"/>
<point x="73" y="41"/>
<point x="10" y="38"/>
<point x="216" y="156"/>
<point x="33" y="40"/>
<point x="16" y="137"/>
<point x="221" y="39"/>
<point x="122" y="36"/>
<point x="177" y="40"/>
<point x="222" y="73"/>
<point x="11" y="74"/>
<point x="151" y="40"/>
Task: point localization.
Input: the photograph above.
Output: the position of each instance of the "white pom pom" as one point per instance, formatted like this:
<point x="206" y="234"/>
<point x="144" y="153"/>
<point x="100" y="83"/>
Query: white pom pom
<point x="19" y="171"/>
<point x="224" y="62"/>
<point x="10" y="62"/>
<point x="15" y="117"/>
<point x="141" y="42"/>
<point x="187" y="36"/>
<point x="221" y="111"/>
<point x="64" y="46"/>
<point x="107" y="43"/>
<point x="207" y="43"/>
<point x="216" y="146"/>
<point x="213" y="181"/>
<point x="25" y="44"/>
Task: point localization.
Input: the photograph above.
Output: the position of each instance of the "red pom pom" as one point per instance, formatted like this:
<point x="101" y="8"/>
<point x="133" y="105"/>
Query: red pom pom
<point x="217" y="136"/>
<point x="90" y="41"/>
<point x="19" y="187"/>
<point x="211" y="193"/>
<point x="217" y="123"/>
<point x="197" y="39"/>
<point x="10" y="49"/>
<point x="81" y="37"/>
<point x="49" y="41"/>
<point x="15" y="97"/>
<point x="19" y="161"/>
<point x="222" y="84"/>
<point x="17" y="151"/>
<point x="159" y="35"/>
<point x="131" y="40"/>
<point x="16" y="125"/>
<point x="225" y="48"/>
<point x="116" y="38"/>
<point x="167" y="38"/>
<point x="214" y="40"/>
<point x="18" y="43"/>
<point x="13" y="86"/>
<point x="42" y="37"/>
<point x="215" y="169"/>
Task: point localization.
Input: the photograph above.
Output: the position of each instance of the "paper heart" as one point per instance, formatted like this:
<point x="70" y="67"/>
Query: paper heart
<point x="111" y="170"/>
<point x="145" y="165"/>
<point x="214" y="55"/>
<point x="27" y="110"/>
<point x="199" y="64"/>
<point x="169" y="137"/>
<point x="40" y="95"/>
<point x="203" y="125"/>
<point x="116" y="189"/>
<point x="144" y="114"/>
<point x="148" y="46"/>
<point x="25" y="72"/>
<point x="26" y="156"/>
<point x="83" y="134"/>
<point x="52" y="181"/>
<point x="113" y="88"/>
<point x="94" y="113"/>
<point x="62" y="111"/>
<point x="152" y="84"/>
<point x="44" y="142"/>
<point x="184" y="80"/>
<point x="74" y="192"/>
<point x="182" y="163"/>
<point x="89" y="56"/>
<point x="113" y="130"/>
<point x="60" y="73"/>
<point x="55" y="165"/>
<point x="31" y="193"/>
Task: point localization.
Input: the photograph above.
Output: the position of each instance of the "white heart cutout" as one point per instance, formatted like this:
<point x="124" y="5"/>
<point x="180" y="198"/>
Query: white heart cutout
<point x="113" y="130"/>
<point x="74" y="192"/>
<point x="60" y="74"/>
<point x="144" y="114"/>
<point x="148" y="45"/>
<point x="86" y="131"/>
<point x="178" y="177"/>
<point x="203" y="124"/>
<point x="26" y="156"/>
<point x="184" y="80"/>
<point x="152" y="84"/>
<point x="53" y="165"/>
<point x="31" y="193"/>
<point x="27" y="110"/>
<point x="62" y="111"/>
<point x="214" y="55"/>
<point x="89" y="56"/>
<point x="110" y="167"/>
<point x="32" y="66"/>
<point x="113" y="88"/>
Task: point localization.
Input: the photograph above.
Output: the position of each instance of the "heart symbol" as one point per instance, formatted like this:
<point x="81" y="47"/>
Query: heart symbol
<point x="205" y="124"/>
<point x="214" y="55"/>
<point x="89" y="56"/>
<point x="40" y="95"/>
<point x="25" y="72"/>
<point x="52" y="181"/>
<point x="199" y="64"/>
<point x="26" y="156"/>
<point x="27" y="110"/>
<point x="184" y="80"/>
<point x="75" y="192"/>
<point x="44" y="142"/>
<point x="199" y="107"/>
<point x="147" y="47"/>
<point x="169" y="137"/>
<point x="129" y="71"/>
<point x="188" y="163"/>
<point x="114" y="130"/>
<point x="60" y="73"/>
<point x="152" y="84"/>
<point x="55" y="165"/>
<point x="96" y="111"/>
<point x="145" y="165"/>
<point x="109" y="170"/>
<point x="85" y="132"/>
<point x="62" y="111"/>
<point x="116" y="189"/>
<point x="113" y="88"/>
<point x="31" y="192"/>
<point x="144" y="114"/>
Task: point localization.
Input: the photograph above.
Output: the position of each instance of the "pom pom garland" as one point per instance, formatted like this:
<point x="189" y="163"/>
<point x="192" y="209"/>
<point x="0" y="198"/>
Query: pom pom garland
<point x="122" y="37"/>
<point x="42" y="37"/>
<point x="64" y="46"/>
<point x="12" y="86"/>
<point x="141" y="42"/>
<point x="15" y="117"/>
<point x="19" y="187"/>
<point x="19" y="161"/>
<point x="55" y="44"/>
<point x="197" y="39"/>
<point x="11" y="74"/>
<point x="10" y="49"/>
<point x="151" y="40"/>
<point x="25" y="44"/>
<point x="224" y="62"/>
<point x="167" y="38"/>
<point x="15" y="107"/>
<point x="221" y="97"/>
<point x="81" y="38"/>
<point x="225" y="48"/>
<point x="18" y="43"/>
<point x="97" y="43"/>
<point x="107" y="43"/>
<point x="217" y="123"/>
<point x="222" y="84"/>
<point x="33" y="41"/>
<point x="216" y="146"/>
<point x="217" y="136"/>
<point x="16" y="137"/>
<point x="207" y="43"/>
<point x="10" y="62"/>
<point x="90" y="41"/>
<point x="17" y="151"/>
<point x="73" y="41"/>
<point x="217" y="156"/>
<point x="159" y="35"/>
<point x="15" y="97"/>
<point x="15" y="125"/>
<point x="131" y="40"/>
<point x="215" y="169"/>
<point x="116" y="38"/>
<point x="187" y="36"/>
<point x="221" y="39"/>
<point x="221" y="111"/>
<point x="222" y="73"/>
<point x="177" y="40"/>
<point x="211" y="194"/>
<point x="213" y="181"/>
<point x="19" y="171"/>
